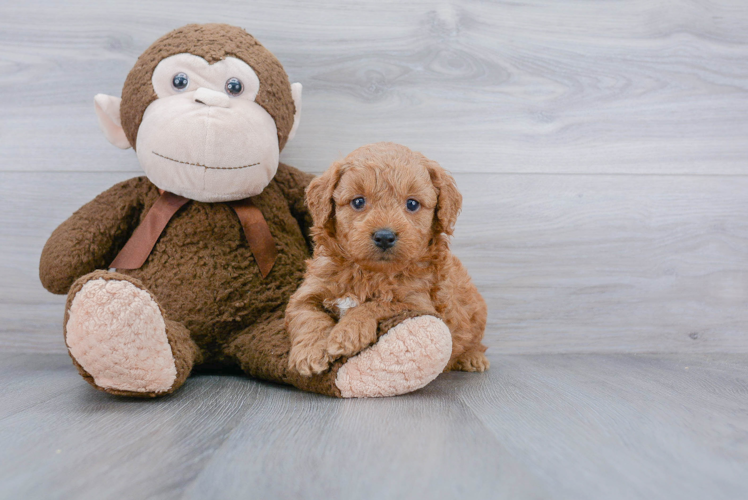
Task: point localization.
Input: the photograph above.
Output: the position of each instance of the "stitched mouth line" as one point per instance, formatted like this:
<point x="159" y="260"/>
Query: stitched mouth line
<point x="204" y="166"/>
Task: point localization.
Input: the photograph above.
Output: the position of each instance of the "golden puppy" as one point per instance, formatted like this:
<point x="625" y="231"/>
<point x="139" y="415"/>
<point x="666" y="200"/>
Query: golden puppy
<point x="382" y="218"/>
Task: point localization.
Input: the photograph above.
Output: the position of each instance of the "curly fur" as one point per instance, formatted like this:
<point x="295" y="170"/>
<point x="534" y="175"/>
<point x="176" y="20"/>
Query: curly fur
<point x="417" y="273"/>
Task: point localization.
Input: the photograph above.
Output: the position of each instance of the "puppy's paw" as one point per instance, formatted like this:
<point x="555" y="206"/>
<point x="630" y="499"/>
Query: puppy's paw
<point x="471" y="361"/>
<point x="309" y="359"/>
<point x="351" y="336"/>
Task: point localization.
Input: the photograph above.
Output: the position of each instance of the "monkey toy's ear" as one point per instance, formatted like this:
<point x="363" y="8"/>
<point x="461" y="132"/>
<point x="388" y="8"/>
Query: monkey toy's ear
<point x="296" y="95"/>
<point x="107" y="110"/>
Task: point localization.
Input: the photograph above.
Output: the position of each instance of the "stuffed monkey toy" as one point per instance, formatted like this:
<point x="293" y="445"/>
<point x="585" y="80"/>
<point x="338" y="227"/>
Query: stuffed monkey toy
<point x="193" y="264"/>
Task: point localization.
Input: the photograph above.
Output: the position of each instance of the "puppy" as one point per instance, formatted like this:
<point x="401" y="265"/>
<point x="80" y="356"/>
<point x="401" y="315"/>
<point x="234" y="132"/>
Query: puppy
<point x="382" y="218"/>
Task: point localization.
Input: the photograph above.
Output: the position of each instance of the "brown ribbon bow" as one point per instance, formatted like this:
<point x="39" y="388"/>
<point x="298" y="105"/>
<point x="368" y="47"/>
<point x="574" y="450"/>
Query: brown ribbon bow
<point x="137" y="249"/>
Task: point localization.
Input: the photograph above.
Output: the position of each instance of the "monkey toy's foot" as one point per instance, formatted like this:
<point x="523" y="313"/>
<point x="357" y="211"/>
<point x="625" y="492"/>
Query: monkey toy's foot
<point x="410" y="355"/>
<point x="117" y="336"/>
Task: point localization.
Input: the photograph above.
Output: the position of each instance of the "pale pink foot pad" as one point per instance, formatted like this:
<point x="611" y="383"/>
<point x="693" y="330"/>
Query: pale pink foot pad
<point x="116" y="332"/>
<point x="406" y="358"/>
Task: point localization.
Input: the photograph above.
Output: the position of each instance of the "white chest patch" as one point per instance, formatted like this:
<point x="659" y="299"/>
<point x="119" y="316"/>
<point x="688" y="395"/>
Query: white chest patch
<point x="344" y="304"/>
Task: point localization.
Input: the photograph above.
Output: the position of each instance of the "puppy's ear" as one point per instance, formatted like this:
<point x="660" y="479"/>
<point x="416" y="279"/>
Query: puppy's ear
<point x="449" y="199"/>
<point x="319" y="195"/>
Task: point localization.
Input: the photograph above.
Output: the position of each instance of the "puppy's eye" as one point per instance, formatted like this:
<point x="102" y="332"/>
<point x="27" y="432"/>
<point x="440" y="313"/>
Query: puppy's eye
<point x="234" y="86"/>
<point x="180" y="81"/>
<point x="358" y="203"/>
<point x="412" y="205"/>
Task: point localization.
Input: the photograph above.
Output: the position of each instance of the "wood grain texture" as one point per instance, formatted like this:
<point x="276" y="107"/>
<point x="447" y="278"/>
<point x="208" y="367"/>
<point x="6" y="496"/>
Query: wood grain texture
<point x="28" y="381"/>
<point x="570" y="263"/>
<point x="583" y="87"/>
<point x="428" y="445"/>
<point x="623" y="426"/>
<point x="534" y="426"/>
<point x="600" y="147"/>
<point x="81" y="443"/>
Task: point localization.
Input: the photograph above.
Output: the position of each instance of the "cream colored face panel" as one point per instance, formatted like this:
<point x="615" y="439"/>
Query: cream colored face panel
<point x="203" y="142"/>
<point x="201" y="74"/>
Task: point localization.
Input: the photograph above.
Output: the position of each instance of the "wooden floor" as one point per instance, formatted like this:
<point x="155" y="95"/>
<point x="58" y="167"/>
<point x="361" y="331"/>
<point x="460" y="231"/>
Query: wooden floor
<point x="534" y="426"/>
<point x="602" y="151"/>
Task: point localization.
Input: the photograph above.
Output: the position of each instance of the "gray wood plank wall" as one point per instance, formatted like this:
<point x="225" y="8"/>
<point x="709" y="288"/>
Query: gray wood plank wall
<point x="600" y="146"/>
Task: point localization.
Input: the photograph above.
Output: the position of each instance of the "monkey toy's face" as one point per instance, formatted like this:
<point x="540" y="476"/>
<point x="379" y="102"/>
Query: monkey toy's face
<point x="203" y="135"/>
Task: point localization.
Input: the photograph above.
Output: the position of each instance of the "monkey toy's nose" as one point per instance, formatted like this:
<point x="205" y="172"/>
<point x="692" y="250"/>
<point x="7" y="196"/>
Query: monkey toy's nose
<point x="384" y="238"/>
<point x="211" y="98"/>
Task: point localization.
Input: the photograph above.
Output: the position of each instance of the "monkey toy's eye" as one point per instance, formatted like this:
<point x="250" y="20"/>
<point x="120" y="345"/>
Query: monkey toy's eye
<point x="180" y="81"/>
<point x="234" y="86"/>
<point x="358" y="203"/>
<point x="412" y="205"/>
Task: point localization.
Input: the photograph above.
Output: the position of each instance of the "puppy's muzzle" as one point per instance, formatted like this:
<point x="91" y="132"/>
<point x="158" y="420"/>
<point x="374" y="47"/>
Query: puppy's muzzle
<point x="384" y="238"/>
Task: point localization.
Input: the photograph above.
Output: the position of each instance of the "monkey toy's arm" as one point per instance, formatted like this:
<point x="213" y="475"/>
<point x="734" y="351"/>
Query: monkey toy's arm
<point x="93" y="235"/>
<point x="293" y="183"/>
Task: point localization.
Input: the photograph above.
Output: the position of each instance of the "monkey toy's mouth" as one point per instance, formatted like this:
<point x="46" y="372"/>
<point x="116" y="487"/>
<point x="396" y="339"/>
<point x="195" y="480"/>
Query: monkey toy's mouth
<point x="204" y="166"/>
<point x="208" y="158"/>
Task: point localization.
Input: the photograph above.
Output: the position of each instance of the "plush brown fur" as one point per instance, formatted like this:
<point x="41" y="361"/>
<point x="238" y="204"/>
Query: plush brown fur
<point x="212" y="42"/>
<point x="417" y="273"/>
<point x="220" y="311"/>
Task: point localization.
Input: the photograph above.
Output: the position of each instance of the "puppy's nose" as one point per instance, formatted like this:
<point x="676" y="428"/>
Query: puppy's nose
<point x="384" y="238"/>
